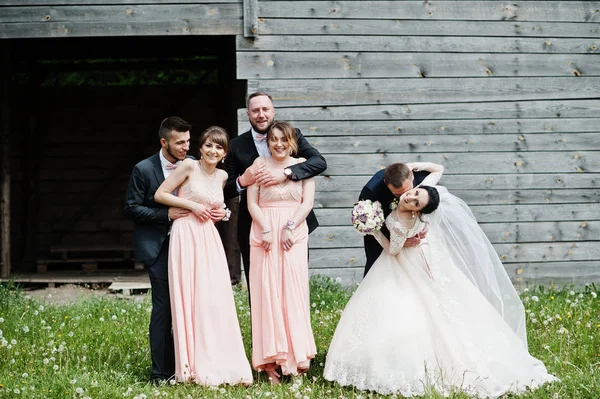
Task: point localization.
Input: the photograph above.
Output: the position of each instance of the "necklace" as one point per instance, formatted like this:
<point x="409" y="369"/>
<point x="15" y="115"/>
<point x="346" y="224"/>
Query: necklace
<point x="209" y="177"/>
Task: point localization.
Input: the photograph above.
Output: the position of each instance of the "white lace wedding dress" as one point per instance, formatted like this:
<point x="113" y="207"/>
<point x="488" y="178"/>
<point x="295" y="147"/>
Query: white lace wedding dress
<point x="418" y="322"/>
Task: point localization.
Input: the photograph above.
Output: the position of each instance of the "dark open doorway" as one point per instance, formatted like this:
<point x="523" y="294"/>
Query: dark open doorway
<point x="84" y="111"/>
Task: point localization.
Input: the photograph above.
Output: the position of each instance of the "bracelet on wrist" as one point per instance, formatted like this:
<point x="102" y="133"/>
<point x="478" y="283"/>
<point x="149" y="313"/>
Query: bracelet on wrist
<point x="290" y="225"/>
<point x="266" y="232"/>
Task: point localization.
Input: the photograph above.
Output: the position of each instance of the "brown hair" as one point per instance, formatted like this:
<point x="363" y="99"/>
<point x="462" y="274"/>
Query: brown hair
<point x="289" y="132"/>
<point x="257" y="94"/>
<point x="172" y="123"/>
<point x="396" y="174"/>
<point x="217" y="135"/>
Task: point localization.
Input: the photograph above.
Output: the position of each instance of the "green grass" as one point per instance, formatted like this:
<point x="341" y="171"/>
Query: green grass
<point x="98" y="348"/>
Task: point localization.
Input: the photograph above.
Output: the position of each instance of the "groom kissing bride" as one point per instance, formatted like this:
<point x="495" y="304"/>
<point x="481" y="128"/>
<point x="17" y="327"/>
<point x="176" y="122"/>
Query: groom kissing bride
<point x="436" y="311"/>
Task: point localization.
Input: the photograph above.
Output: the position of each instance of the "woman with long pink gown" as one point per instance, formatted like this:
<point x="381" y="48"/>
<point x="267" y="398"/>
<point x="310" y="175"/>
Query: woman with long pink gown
<point x="282" y="335"/>
<point x="208" y="342"/>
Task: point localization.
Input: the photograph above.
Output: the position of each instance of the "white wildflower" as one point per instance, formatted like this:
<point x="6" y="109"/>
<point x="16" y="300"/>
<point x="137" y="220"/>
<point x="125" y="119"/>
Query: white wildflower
<point x="594" y="295"/>
<point x="79" y="390"/>
<point x="535" y="298"/>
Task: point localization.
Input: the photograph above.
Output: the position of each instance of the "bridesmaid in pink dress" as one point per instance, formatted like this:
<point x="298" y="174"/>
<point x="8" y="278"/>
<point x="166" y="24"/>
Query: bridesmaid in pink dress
<point x="208" y="341"/>
<point x="282" y="336"/>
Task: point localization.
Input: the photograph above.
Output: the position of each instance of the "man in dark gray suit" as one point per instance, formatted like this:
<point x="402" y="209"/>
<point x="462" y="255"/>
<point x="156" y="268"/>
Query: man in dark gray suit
<point x="385" y="186"/>
<point x="244" y="149"/>
<point x="152" y="222"/>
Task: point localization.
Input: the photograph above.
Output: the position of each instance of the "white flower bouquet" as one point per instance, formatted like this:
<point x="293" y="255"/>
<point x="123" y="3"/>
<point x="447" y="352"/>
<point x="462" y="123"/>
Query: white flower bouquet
<point x="367" y="217"/>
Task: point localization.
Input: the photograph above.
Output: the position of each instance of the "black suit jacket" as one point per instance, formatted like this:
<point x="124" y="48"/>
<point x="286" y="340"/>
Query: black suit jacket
<point x="151" y="219"/>
<point x="242" y="153"/>
<point x="376" y="190"/>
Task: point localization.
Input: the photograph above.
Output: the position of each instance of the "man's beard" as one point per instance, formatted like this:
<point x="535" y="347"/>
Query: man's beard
<point x="257" y="130"/>
<point x="171" y="154"/>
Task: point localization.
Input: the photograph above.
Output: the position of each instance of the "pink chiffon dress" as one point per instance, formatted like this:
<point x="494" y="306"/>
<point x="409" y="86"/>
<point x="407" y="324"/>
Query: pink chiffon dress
<point x="279" y="289"/>
<point x="208" y="342"/>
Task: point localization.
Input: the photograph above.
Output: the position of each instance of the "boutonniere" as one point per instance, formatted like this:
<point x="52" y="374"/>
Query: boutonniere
<point x="394" y="203"/>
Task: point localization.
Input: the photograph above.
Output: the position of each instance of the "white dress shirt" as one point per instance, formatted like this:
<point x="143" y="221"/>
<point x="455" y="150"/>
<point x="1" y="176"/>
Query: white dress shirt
<point x="262" y="147"/>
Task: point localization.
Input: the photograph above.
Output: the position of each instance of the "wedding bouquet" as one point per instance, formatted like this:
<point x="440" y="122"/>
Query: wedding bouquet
<point x="367" y="217"/>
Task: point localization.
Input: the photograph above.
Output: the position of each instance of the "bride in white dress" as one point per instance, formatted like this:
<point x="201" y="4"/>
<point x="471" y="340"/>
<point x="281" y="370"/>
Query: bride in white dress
<point x="442" y="316"/>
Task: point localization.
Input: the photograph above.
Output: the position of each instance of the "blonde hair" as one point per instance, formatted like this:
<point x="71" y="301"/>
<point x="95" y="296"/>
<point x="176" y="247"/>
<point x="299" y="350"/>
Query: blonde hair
<point x="289" y="132"/>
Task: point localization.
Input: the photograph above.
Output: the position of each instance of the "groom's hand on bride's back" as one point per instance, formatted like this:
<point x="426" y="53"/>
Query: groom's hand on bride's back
<point x="412" y="241"/>
<point x="416" y="240"/>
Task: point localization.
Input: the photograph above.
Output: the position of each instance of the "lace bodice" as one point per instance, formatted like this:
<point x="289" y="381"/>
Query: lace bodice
<point x="203" y="189"/>
<point x="400" y="230"/>
<point x="291" y="191"/>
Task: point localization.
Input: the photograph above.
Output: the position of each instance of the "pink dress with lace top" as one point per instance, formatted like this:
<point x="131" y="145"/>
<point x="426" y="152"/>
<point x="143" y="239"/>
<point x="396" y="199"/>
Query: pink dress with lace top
<point x="279" y="288"/>
<point x="208" y="341"/>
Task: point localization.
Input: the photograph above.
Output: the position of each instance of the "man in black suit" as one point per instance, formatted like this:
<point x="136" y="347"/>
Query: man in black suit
<point x="244" y="149"/>
<point x="385" y="186"/>
<point x="152" y="222"/>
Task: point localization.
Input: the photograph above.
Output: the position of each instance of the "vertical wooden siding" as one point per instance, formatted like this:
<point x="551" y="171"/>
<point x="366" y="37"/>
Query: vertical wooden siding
<point x="505" y="95"/>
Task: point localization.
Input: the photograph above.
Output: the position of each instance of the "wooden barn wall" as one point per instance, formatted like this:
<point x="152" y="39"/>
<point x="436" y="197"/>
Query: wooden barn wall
<point x="65" y="18"/>
<point x="506" y="95"/>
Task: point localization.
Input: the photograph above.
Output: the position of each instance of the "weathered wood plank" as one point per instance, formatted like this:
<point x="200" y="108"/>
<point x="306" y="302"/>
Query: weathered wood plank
<point x="345" y="236"/>
<point x="309" y="65"/>
<point x="494" y="213"/>
<point x="108" y="28"/>
<point x="571" y="181"/>
<point x="382" y="27"/>
<point x="457" y="143"/>
<point x="321" y="258"/>
<point x="563" y="11"/>
<point x="492" y="110"/>
<point x="469" y="163"/>
<point x="578" y="273"/>
<point x="420" y="44"/>
<point x="121" y="13"/>
<point x="105" y="2"/>
<point x="337" y="199"/>
<point x="250" y="18"/>
<point x="549" y="252"/>
<point x="431" y="127"/>
<point x="288" y="93"/>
